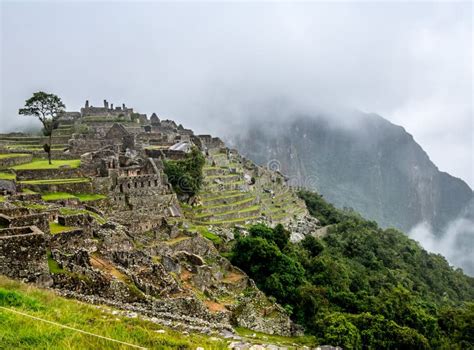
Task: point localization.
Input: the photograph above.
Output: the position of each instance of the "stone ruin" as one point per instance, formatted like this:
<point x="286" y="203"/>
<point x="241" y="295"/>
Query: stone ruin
<point x="132" y="245"/>
<point x="106" y="111"/>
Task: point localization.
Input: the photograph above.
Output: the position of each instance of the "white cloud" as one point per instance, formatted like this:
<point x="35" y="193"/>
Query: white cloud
<point x="455" y="244"/>
<point x="205" y="63"/>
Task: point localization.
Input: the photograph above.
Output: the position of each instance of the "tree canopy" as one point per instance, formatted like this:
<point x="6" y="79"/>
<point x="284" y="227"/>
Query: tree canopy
<point x="361" y="287"/>
<point x="48" y="108"/>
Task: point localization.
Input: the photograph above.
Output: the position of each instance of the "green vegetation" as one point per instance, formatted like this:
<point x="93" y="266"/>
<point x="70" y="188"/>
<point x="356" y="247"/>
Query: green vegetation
<point x="21" y="332"/>
<point x="54" y="266"/>
<point x="87" y="197"/>
<point x="34" y="148"/>
<point x="83" y="197"/>
<point x="2" y="199"/>
<point x="54" y="196"/>
<point x="325" y="212"/>
<point x="13" y="155"/>
<point x="74" y="211"/>
<point x="361" y="287"/>
<point x="40" y="164"/>
<point x="56" y="181"/>
<point x="35" y="206"/>
<point x="57" y="228"/>
<point x="245" y="210"/>
<point x="309" y="341"/>
<point x="207" y="234"/>
<point x="47" y="108"/>
<point x="186" y="175"/>
<point x="7" y="176"/>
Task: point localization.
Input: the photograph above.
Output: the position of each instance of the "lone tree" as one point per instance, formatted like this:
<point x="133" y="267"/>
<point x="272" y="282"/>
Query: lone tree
<point x="48" y="108"/>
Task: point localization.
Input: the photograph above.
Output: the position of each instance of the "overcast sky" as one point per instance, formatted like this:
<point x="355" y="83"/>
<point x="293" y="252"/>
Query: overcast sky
<point x="204" y="63"/>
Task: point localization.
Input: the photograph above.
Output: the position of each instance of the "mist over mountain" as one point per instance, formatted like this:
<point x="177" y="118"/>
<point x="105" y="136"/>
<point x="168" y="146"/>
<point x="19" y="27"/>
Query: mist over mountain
<point x="364" y="162"/>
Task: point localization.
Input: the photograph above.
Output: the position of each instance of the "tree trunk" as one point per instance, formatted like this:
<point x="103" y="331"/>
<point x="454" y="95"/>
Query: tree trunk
<point x="50" y="146"/>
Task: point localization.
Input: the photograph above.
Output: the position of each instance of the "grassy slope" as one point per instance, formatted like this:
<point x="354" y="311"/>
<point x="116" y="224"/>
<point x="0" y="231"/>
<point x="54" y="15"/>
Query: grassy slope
<point x="38" y="164"/>
<point x="7" y="176"/>
<point x="20" y="332"/>
<point x="83" y="197"/>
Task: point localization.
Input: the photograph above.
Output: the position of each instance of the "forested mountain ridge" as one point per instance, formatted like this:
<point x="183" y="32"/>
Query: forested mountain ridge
<point x="359" y="286"/>
<point x="363" y="162"/>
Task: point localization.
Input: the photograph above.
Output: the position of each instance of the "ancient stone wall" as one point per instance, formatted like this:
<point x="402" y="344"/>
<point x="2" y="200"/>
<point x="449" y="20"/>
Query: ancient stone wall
<point x="12" y="161"/>
<point x="63" y="173"/>
<point x="140" y="184"/>
<point x="210" y="142"/>
<point x="70" y="187"/>
<point x="74" y="220"/>
<point x="7" y="186"/>
<point x="40" y="220"/>
<point x="23" y="254"/>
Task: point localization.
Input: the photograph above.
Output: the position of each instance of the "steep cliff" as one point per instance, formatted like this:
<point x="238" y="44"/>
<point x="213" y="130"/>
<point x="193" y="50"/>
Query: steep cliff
<point x="363" y="162"/>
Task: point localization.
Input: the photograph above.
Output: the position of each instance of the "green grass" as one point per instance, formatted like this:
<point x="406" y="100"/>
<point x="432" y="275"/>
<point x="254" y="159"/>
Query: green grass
<point x="40" y="164"/>
<point x="13" y="155"/>
<point x="2" y="199"/>
<point x="34" y="206"/>
<point x="235" y="183"/>
<point x="228" y="222"/>
<point x="74" y="211"/>
<point x="86" y="197"/>
<point x="57" y="228"/>
<point x="246" y="210"/>
<point x="56" y="181"/>
<point x="28" y="191"/>
<point x="54" y="196"/>
<point x="83" y="197"/>
<point x="246" y="200"/>
<point x="20" y="332"/>
<point x="207" y="234"/>
<point x="7" y="176"/>
<point x="54" y="266"/>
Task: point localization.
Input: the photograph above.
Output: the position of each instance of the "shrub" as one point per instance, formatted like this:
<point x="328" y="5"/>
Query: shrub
<point x="186" y="175"/>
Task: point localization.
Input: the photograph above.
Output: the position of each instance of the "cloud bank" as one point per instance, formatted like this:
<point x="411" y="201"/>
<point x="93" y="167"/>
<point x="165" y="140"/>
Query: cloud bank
<point x="455" y="244"/>
<point x="208" y="64"/>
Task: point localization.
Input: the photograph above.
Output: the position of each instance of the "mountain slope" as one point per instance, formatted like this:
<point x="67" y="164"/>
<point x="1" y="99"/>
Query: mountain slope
<point x="365" y="163"/>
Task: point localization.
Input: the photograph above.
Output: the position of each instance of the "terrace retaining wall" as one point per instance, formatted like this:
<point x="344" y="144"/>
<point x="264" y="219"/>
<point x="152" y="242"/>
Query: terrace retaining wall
<point x="36" y="174"/>
<point x="17" y="160"/>
<point x="69" y="187"/>
<point x="23" y="255"/>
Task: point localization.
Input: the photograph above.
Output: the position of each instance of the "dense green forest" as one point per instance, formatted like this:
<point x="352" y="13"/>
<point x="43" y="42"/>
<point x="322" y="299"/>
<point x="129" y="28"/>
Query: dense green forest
<point x="361" y="287"/>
